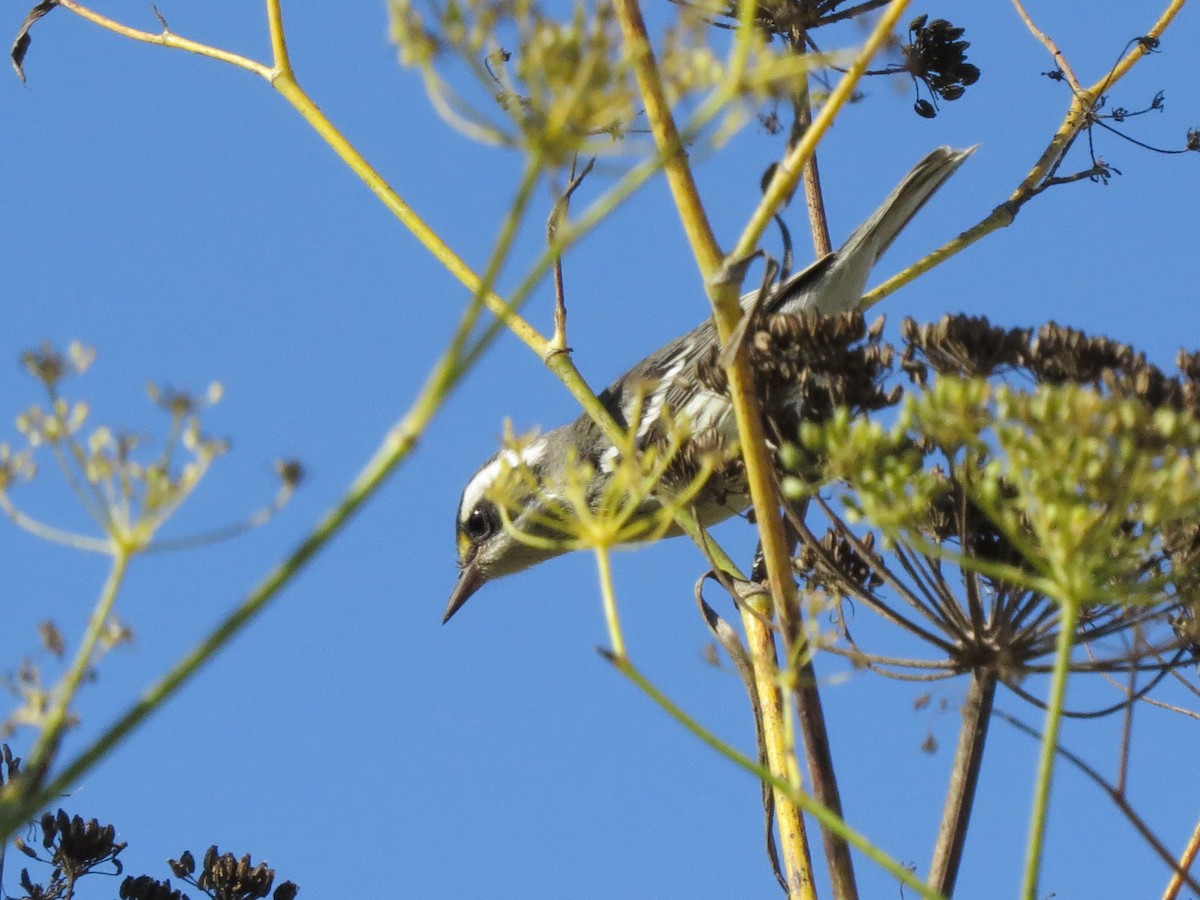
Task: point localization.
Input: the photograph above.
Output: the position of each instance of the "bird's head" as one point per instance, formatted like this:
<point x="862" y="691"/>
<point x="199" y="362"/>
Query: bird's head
<point x="487" y="549"/>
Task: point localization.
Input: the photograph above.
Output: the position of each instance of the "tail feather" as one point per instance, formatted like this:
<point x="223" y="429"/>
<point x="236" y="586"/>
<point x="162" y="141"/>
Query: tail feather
<point x="838" y="283"/>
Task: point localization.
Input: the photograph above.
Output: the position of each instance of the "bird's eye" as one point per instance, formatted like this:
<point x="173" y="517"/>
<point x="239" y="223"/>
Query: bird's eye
<point x="478" y="524"/>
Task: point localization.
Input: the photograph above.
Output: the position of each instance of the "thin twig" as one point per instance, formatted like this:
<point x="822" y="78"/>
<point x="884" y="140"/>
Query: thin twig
<point x="1134" y="819"/>
<point x="1126" y="736"/>
<point x="1076" y="119"/>
<point x="558" y="343"/>
<point x="795" y="794"/>
<point x="1059" y="60"/>
<point x="814" y="197"/>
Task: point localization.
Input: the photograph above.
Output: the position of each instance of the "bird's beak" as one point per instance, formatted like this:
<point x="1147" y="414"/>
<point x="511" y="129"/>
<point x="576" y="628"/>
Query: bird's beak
<point x="470" y="579"/>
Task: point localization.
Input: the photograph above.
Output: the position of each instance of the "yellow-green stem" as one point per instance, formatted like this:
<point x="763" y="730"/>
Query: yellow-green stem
<point x="780" y="749"/>
<point x="279" y="53"/>
<point x="41" y="757"/>
<point x="756" y="454"/>
<point x="1068" y="617"/>
<point x="1075" y="120"/>
<point x="795" y="793"/>
<point x="1175" y="885"/>
<point x="395" y="447"/>
<point x="609" y="598"/>
<point x="281" y="77"/>
<point x="724" y="296"/>
<point x="666" y="137"/>
<point x="789" y="172"/>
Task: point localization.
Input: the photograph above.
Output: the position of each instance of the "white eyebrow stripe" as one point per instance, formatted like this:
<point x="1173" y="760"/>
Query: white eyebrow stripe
<point x="530" y="455"/>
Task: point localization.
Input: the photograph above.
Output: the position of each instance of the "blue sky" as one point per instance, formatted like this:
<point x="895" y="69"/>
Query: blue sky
<point x="178" y="216"/>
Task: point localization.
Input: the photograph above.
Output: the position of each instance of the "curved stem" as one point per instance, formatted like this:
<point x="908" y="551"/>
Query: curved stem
<point x="50" y="533"/>
<point x="166" y="38"/>
<point x="281" y="77"/>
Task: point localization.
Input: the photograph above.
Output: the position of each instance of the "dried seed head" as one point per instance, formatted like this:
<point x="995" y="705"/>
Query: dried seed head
<point x="937" y="56"/>
<point x="835" y="562"/>
<point x="143" y="887"/>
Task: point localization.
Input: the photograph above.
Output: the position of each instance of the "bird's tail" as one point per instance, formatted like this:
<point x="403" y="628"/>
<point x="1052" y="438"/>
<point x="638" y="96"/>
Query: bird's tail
<point x="836" y="284"/>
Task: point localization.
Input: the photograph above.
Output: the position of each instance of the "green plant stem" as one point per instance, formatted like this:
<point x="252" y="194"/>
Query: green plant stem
<point x="1068" y="618"/>
<point x="395" y="447"/>
<point x="1180" y="867"/>
<point x="789" y="172"/>
<point x="723" y="293"/>
<point x="45" y="748"/>
<point x="798" y="795"/>
<point x="496" y="260"/>
<point x="398" y="443"/>
<point x="609" y="598"/>
<point x="779" y="743"/>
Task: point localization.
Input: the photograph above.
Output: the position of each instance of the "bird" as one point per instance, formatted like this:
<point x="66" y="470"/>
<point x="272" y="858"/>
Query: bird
<point x="666" y="381"/>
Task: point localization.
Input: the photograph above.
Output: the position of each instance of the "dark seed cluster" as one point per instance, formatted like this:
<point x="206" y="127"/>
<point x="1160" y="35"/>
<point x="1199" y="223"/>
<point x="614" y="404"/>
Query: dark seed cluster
<point x="226" y="876"/>
<point x="965" y="523"/>
<point x="74" y="847"/>
<point x="971" y="347"/>
<point x="709" y="447"/>
<point x="937" y="56"/>
<point x="806" y="366"/>
<point x="836" y="553"/>
<point x="77" y="848"/>
<point x="143" y="887"/>
<point x="80" y="845"/>
<point x="955" y="518"/>
<point x="967" y="346"/>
